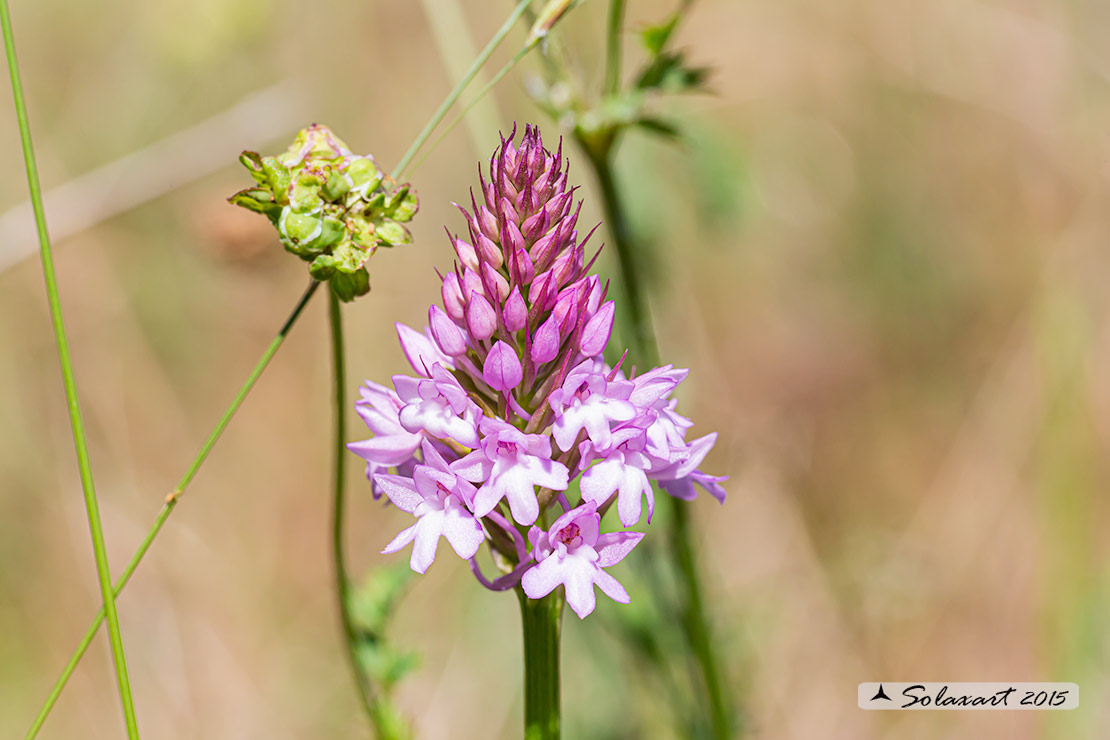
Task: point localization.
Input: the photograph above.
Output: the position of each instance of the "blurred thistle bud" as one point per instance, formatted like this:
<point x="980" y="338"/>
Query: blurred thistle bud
<point x="331" y="207"/>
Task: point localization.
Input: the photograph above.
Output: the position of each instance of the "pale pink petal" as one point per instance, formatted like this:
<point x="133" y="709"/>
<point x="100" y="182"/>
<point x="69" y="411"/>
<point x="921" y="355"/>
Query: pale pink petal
<point x="614" y="546"/>
<point x="475" y="467"/>
<point x="401" y="540"/>
<point x="599" y="481"/>
<point x="611" y="587"/>
<point x="462" y="531"/>
<point x="578" y="576"/>
<point x="428" y="531"/>
<point x="400" y="490"/>
<point x="541" y="579"/>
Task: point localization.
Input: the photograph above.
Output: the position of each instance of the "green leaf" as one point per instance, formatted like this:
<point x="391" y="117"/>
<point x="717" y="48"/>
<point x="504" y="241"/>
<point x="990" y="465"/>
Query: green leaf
<point x="654" y="38"/>
<point x="670" y="73"/>
<point x="660" y="127"/>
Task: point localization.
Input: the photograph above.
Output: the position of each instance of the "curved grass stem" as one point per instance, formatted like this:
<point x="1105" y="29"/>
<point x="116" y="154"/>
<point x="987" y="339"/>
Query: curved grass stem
<point x="471" y="72"/>
<point x="168" y="507"/>
<point x="80" y="443"/>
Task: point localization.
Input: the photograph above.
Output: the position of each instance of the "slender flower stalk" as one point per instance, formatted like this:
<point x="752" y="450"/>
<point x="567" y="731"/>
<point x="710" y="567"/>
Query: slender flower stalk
<point x="511" y="400"/>
<point x="92" y="508"/>
<point x="339" y="481"/>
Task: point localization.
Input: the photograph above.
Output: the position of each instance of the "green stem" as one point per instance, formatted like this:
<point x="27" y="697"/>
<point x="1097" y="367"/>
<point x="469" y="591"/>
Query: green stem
<point x="168" y="507"/>
<point x="643" y="334"/>
<point x="459" y="87"/>
<point x="613" y="47"/>
<point x="339" y="475"/>
<point x="695" y="623"/>
<point x="84" y="465"/>
<point x="541" y="621"/>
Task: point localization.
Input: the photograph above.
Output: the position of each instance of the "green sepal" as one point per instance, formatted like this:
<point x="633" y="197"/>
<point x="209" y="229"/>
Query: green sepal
<point x="278" y="178"/>
<point x="362" y="233"/>
<point x="364" y="175"/>
<point x="304" y="193"/>
<point x="253" y="162"/>
<point x="331" y="232"/>
<point x="376" y="203"/>
<point x="257" y="200"/>
<point x="391" y="233"/>
<point x="300" y="228"/>
<point x="349" y="286"/>
<point x="402" y="205"/>
<point x="323" y="267"/>
<point x="336" y="187"/>
<point x="349" y="258"/>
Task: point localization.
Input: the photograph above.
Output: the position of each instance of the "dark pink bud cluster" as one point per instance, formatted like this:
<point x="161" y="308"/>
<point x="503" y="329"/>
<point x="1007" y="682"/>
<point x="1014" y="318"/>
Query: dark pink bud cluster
<point x="519" y="291"/>
<point x="513" y="399"/>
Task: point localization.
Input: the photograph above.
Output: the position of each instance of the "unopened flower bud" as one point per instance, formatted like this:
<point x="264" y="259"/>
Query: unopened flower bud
<point x="546" y="342"/>
<point x="472" y="283"/>
<point x="502" y="370"/>
<point x="487" y="222"/>
<point x="452" y="296"/>
<point x="595" y="334"/>
<point x="480" y="317"/>
<point x="495" y="283"/>
<point x="467" y="254"/>
<point x="516" y="312"/>
<point x="448" y="336"/>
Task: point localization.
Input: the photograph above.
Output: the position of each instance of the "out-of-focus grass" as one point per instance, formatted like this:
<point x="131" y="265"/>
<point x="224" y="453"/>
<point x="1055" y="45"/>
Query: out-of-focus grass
<point x="881" y="251"/>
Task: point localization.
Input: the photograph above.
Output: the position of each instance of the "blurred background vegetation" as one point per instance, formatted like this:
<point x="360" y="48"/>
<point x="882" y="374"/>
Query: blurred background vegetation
<point x="882" y="248"/>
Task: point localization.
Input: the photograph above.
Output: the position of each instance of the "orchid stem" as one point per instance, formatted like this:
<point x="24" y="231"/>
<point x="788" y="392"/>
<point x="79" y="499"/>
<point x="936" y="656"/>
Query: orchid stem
<point x="77" y="424"/>
<point x="541" y="620"/>
<point x="168" y="507"/>
<point x="695" y="622"/>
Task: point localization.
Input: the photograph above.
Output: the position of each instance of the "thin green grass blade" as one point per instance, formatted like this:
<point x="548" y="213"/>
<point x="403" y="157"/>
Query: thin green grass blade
<point x="440" y="112"/>
<point x="168" y="507"/>
<point x="92" y="508"/>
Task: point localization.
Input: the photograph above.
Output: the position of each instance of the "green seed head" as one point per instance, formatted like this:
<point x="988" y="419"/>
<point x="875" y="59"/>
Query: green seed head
<point x="331" y="207"/>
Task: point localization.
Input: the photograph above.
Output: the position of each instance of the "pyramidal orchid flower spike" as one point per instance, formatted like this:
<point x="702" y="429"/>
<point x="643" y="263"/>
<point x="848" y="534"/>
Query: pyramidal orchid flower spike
<point x="331" y="207"/>
<point x="511" y="401"/>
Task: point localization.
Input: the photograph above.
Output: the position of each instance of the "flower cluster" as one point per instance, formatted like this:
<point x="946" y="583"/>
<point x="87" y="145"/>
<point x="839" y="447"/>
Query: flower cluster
<point x="511" y="401"/>
<point x="331" y="207"/>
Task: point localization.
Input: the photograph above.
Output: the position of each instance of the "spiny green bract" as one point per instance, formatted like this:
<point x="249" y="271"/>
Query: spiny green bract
<point x="331" y="207"/>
